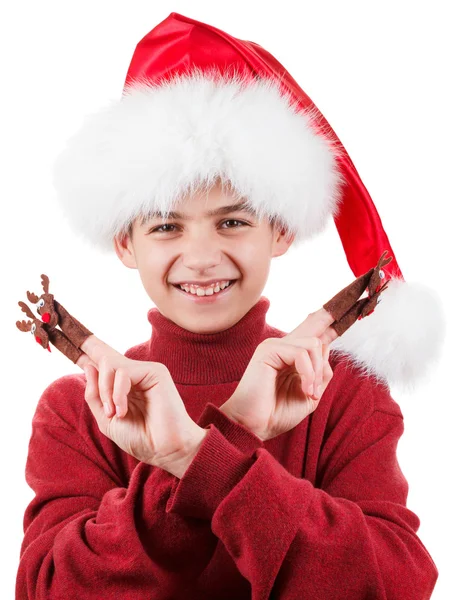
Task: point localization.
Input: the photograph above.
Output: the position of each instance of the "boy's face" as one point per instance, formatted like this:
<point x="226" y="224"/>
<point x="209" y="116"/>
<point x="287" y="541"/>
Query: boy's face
<point x="201" y="247"/>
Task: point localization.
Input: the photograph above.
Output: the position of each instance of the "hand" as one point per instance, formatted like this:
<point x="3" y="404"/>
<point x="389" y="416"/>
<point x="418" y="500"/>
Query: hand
<point x="276" y="391"/>
<point x="153" y="424"/>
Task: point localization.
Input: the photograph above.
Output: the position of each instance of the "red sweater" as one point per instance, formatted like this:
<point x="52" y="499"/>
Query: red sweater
<point x="318" y="512"/>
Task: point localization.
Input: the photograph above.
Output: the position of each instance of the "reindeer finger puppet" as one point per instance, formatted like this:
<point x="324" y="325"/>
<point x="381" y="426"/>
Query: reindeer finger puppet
<point x="43" y="335"/>
<point x="53" y="314"/>
<point x="345" y="306"/>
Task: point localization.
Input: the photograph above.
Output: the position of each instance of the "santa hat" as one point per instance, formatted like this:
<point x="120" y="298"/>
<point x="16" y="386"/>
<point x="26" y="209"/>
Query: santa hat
<point x="199" y="104"/>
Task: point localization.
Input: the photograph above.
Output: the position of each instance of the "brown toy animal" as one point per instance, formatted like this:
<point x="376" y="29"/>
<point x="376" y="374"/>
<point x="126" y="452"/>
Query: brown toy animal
<point x="345" y="306"/>
<point x="43" y="335"/>
<point x="53" y="313"/>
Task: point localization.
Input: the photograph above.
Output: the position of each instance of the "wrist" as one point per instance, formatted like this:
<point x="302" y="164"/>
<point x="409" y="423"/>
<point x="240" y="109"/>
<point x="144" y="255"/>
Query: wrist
<point x="178" y="465"/>
<point x="226" y="409"/>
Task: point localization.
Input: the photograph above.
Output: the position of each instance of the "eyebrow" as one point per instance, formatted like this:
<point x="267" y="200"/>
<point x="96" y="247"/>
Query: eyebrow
<point x="211" y="213"/>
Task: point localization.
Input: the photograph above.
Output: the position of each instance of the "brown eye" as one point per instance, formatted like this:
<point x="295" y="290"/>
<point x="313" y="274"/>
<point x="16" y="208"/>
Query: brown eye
<point x="235" y="221"/>
<point x="159" y="228"/>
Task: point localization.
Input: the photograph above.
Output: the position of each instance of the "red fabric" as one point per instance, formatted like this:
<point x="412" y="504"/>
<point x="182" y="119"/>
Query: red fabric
<point x="179" y="43"/>
<point x="318" y="512"/>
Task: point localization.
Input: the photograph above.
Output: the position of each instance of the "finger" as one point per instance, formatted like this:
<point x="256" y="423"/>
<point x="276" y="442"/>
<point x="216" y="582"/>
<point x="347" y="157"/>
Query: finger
<point x="329" y="335"/>
<point x="106" y="374"/>
<point x="327" y="370"/>
<point x="305" y="369"/>
<point x="326" y="363"/>
<point x="316" y="355"/>
<point x="96" y="349"/>
<point x="122" y="387"/>
<point x="278" y="353"/>
<point x="83" y="361"/>
<point x="327" y="373"/>
<point x="316" y="324"/>
<point x="92" y="396"/>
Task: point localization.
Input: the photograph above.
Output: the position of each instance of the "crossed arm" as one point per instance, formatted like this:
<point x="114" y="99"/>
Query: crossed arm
<point x="89" y="533"/>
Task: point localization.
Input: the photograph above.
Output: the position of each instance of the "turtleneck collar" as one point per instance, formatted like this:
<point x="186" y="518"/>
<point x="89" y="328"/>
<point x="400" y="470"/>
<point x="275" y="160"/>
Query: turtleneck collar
<point x="208" y="358"/>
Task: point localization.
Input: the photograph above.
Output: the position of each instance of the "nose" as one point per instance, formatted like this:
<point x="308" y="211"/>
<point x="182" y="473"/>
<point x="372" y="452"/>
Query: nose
<point x="202" y="252"/>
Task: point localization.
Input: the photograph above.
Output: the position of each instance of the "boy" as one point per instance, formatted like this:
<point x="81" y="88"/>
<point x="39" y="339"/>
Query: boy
<point x="315" y="507"/>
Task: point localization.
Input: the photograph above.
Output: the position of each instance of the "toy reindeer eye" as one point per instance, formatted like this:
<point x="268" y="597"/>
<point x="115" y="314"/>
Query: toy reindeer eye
<point x="381" y="274"/>
<point x="40" y="303"/>
<point x="33" y="328"/>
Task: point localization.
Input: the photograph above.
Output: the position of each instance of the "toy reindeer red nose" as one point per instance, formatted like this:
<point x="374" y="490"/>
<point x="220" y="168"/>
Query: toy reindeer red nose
<point x="46" y="317"/>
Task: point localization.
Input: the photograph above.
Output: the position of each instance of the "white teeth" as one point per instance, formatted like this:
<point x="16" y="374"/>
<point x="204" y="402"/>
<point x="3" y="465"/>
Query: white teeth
<point x="209" y="291"/>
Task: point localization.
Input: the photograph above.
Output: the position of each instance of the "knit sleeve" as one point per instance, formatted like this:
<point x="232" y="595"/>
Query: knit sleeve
<point x="92" y="531"/>
<point x="244" y="439"/>
<point x="353" y="538"/>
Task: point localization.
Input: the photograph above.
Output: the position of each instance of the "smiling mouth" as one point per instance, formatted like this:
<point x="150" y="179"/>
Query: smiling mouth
<point x="232" y="282"/>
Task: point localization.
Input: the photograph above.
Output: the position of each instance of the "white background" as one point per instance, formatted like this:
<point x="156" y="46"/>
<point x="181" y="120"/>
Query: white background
<point x="379" y="74"/>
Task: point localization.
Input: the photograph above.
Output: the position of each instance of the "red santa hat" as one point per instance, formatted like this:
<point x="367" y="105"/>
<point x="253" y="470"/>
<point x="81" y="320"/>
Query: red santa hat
<point x="199" y="104"/>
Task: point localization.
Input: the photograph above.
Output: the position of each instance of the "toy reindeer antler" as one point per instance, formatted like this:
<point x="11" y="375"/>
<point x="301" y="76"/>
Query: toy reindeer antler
<point x="45" y="283"/>
<point x="45" y="286"/>
<point x="53" y="314"/>
<point x="345" y="306"/>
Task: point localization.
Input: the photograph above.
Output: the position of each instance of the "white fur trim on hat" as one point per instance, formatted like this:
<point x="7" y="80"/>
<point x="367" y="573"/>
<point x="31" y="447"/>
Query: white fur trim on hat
<point x="158" y="142"/>
<point x="401" y="339"/>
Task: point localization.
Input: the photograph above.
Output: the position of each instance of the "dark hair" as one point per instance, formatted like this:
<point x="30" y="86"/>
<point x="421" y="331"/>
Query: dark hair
<point x="130" y="231"/>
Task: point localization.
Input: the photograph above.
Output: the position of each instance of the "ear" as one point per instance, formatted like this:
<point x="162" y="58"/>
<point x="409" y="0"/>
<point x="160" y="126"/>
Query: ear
<point x="281" y="242"/>
<point x="123" y="247"/>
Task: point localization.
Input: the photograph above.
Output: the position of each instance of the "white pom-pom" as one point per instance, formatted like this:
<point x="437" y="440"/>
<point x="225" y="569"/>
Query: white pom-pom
<point x="402" y="339"/>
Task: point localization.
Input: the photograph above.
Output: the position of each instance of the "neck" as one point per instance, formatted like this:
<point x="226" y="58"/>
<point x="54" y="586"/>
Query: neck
<point x="212" y="358"/>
